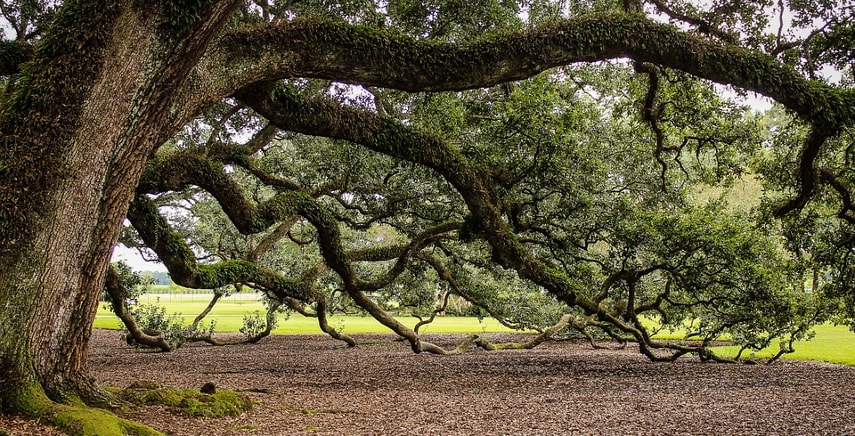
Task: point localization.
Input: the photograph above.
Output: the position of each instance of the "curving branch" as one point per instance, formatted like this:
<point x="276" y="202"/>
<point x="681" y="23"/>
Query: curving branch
<point x="181" y="263"/>
<point x="266" y="243"/>
<point x="118" y="297"/>
<point x="218" y="294"/>
<point x="336" y="259"/>
<point x="438" y="310"/>
<point x="388" y="136"/>
<point x="544" y="336"/>
<point x="381" y="58"/>
<point x="448" y="277"/>
<point x="807" y="174"/>
<point x="270" y="324"/>
<point x="177" y="171"/>
<point x="356" y="288"/>
<point x="652" y="113"/>
<point x="847" y="207"/>
<point x="416" y="244"/>
<point x="321" y="313"/>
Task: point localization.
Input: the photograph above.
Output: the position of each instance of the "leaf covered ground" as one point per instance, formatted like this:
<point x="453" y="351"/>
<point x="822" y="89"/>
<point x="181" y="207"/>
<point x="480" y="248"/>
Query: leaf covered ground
<point x="314" y="385"/>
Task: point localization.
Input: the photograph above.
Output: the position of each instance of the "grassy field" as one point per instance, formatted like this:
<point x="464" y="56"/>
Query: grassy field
<point x="835" y="344"/>
<point x="229" y="313"/>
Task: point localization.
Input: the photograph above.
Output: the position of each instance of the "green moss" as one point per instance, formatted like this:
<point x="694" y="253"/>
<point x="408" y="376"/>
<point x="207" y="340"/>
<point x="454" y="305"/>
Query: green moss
<point x="226" y="272"/>
<point x="151" y="396"/>
<point x="223" y="403"/>
<point x="188" y="401"/>
<point x="29" y="400"/>
<point x="179" y="15"/>
<point x="38" y="120"/>
<point x="87" y="421"/>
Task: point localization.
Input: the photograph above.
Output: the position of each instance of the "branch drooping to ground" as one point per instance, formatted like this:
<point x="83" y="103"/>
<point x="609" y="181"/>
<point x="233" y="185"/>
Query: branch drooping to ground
<point x="387" y="136"/>
<point x="118" y="301"/>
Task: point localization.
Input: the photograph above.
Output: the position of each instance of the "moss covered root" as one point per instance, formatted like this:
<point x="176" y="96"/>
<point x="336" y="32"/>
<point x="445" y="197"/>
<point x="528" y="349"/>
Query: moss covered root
<point x="86" y="421"/>
<point x="74" y="419"/>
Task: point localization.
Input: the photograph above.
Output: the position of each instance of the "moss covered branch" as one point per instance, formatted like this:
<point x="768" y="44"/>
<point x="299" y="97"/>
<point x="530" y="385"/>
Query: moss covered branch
<point x="381" y="58"/>
<point x="542" y="337"/>
<point x="181" y="262"/>
<point x="388" y="136"/>
<point x="118" y="298"/>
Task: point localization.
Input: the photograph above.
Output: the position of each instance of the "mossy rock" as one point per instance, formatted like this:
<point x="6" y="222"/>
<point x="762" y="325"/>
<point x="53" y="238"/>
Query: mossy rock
<point x="188" y="401"/>
<point x="223" y="403"/>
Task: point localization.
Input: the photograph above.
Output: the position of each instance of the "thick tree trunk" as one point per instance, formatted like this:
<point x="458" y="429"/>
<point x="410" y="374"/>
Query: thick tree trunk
<point x="51" y="301"/>
<point x="51" y="281"/>
<point x="60" y="222"/>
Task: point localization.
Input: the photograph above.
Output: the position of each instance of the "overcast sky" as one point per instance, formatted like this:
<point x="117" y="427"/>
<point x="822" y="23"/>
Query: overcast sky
<point x="133" y="259"/>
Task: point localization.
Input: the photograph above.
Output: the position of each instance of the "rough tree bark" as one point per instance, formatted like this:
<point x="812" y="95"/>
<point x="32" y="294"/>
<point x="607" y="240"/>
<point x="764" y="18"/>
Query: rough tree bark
<point x="76" y="136"/>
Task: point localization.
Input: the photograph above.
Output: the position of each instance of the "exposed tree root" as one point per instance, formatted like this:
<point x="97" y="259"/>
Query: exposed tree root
<point x="75" y="418"/>
<point x="88" y="421"/>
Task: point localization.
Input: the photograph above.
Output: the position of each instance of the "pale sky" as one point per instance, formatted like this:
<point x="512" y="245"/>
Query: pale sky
<point x="133" y="259"/>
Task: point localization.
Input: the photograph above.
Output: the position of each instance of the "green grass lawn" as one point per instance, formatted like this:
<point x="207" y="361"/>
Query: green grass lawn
<point x="229" y="313"/>
<point x="835" y="344"/>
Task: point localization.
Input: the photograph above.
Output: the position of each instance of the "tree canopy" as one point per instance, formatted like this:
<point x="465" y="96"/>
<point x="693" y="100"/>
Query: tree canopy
<point x="557" y="165"/>
<point x="572" y="188"/>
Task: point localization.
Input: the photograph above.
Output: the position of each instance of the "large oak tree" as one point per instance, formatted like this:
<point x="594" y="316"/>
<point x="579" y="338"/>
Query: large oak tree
<point x="93" y="89"/>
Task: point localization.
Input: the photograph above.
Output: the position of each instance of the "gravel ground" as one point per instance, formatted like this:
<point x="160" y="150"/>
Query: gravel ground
<point x="313" y="384"/>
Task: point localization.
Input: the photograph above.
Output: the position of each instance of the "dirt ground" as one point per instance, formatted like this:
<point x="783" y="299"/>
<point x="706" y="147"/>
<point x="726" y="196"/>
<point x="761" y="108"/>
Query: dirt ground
<point x="315" y="385"/>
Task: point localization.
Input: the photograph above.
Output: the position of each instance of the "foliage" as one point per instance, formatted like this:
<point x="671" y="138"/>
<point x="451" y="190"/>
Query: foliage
<point x="537" y="160"/>
<point x="829" y="343"/>
<point x="254" y="324"/>
<point x="155" y="320"/>
<point x="565" y="157"/>
<point x="134" y="284"/>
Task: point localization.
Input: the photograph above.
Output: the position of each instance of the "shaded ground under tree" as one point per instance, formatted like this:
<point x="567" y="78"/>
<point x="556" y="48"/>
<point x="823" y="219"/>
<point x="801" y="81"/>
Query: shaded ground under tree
<point x="313" y="384"/>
